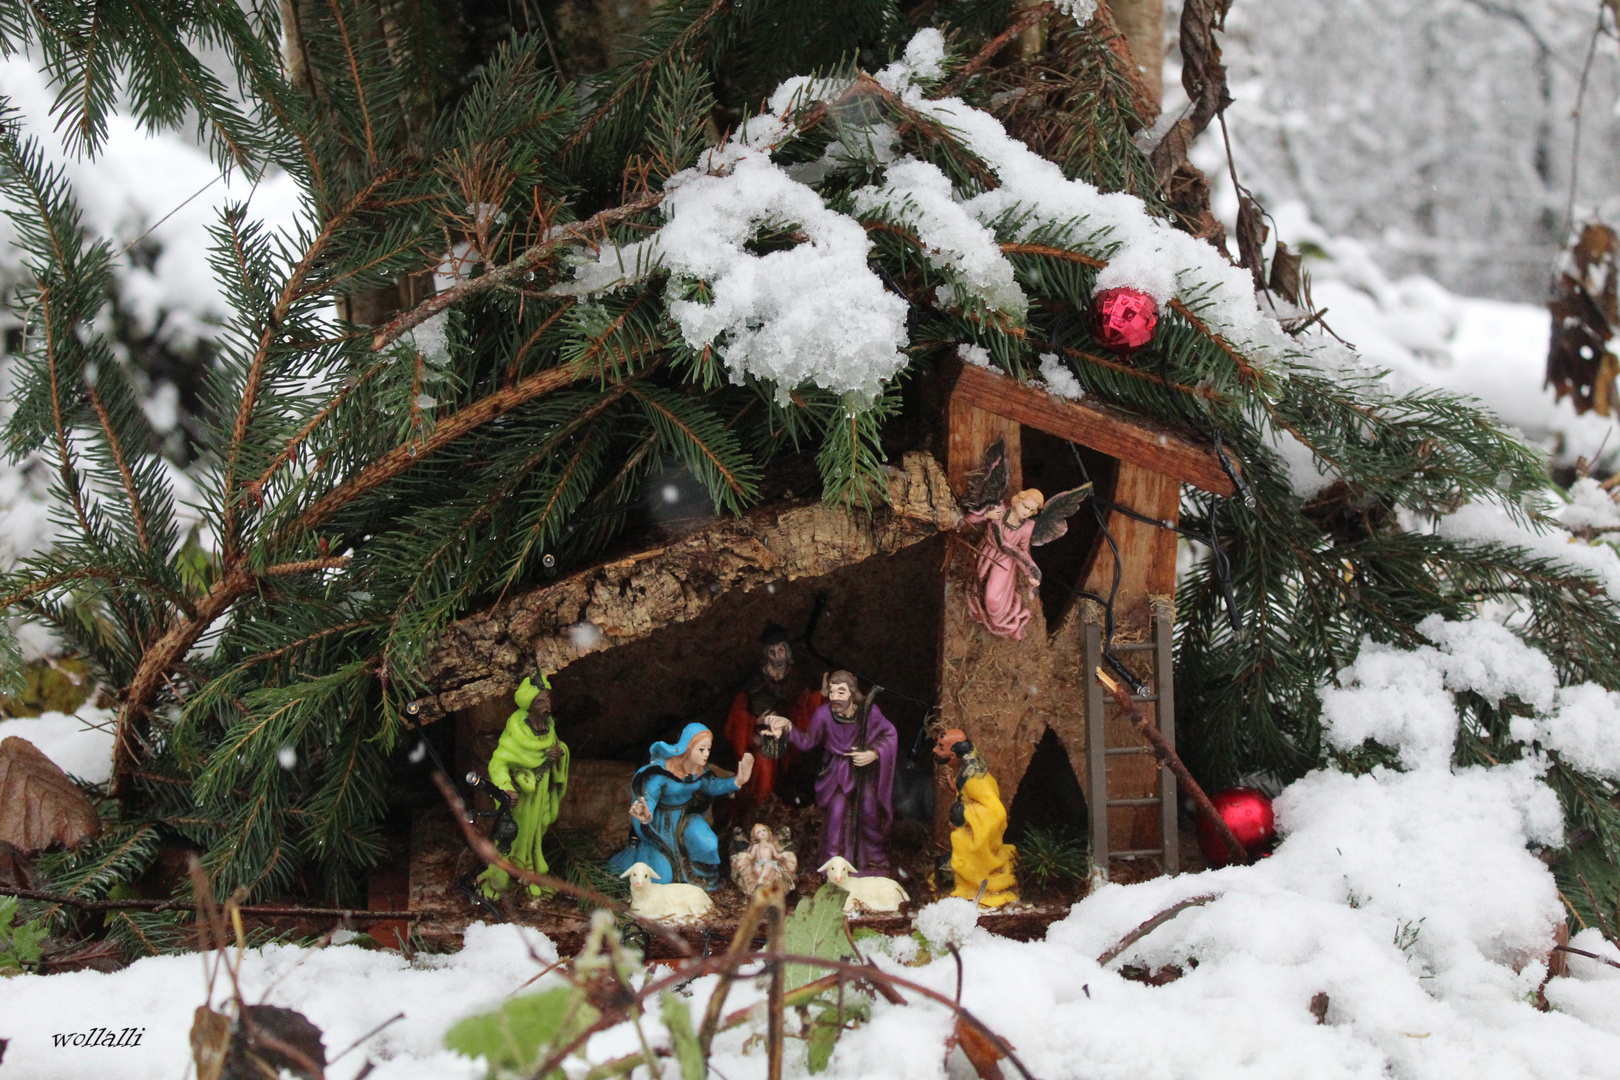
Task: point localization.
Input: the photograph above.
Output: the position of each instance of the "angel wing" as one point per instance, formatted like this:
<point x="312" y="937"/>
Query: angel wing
<point x="987" y="486"/>
<point x="1052" y="521"/>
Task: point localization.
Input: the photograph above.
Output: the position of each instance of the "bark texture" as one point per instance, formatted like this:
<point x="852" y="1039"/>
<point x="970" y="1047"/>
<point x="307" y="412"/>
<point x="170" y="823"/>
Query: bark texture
<point x="547" y="628"/>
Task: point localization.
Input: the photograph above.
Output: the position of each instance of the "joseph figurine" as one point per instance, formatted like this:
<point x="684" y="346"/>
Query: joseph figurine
<point x="530" y="764"/>
<point x="855" y="790"/>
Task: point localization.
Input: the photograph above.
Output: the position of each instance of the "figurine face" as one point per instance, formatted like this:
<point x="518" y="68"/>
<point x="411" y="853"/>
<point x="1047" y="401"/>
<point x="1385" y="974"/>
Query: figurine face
<point x="778" y="658"/>
<point x="539" y="717"/>
<point x="761" y="833"/>
<point x="1022" y="506"/>
<point x="697" y="754"/>
<point x="838" y="694"/>
<point x="943" y="753"/>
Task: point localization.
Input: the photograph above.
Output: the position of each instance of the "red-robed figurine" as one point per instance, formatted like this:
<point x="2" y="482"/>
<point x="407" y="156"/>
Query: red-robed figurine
<point x="776" y="689"/>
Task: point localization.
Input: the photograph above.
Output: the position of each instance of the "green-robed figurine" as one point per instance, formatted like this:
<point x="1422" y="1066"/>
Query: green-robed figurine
<point x="530" y="764"/>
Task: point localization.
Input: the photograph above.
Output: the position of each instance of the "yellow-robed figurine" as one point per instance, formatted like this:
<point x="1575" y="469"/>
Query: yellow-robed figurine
<point x="979" y="857"/>
<point x="530" y="764"/>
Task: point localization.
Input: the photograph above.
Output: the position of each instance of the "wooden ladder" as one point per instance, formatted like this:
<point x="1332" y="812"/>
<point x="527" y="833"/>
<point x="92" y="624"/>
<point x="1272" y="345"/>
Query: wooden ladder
<point x="1104" y="798"/>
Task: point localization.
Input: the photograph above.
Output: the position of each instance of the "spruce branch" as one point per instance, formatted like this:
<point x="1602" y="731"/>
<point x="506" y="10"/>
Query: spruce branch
<point x="578" y="231"/>
<point x="289" y="452"/>
<point x="121" y="459"/>
<point x="64" y="455"/>
<point x="359" y="83"/>
<point x="1021" y="22"/>
<point x="635" y="78"/>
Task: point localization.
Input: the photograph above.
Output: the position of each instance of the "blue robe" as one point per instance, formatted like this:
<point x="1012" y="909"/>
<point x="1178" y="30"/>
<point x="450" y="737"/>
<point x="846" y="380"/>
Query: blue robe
<point x="677" y="843"/>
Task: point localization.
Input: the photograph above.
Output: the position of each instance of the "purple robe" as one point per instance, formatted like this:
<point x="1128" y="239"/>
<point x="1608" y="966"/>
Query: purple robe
<point x="858" y="802"/>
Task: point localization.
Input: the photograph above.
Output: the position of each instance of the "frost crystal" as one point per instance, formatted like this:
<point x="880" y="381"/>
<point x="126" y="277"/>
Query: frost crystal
<point x="1059" y="379"/>
<point x="1080" y="11"/>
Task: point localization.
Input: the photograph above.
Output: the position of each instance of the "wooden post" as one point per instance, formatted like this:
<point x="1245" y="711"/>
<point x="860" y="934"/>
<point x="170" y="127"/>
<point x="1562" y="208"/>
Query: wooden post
<point x="1147" y="571"/>
<point x="1141" y="23"/>
<point x="973" y="431"/>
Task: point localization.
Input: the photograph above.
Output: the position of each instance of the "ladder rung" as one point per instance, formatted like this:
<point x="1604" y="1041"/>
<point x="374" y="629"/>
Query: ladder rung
<point x="1157" y="853"/>
<point x="1153" y="801"/>
<point x="1128" y="750"/>
<point x="1135" y="646"/>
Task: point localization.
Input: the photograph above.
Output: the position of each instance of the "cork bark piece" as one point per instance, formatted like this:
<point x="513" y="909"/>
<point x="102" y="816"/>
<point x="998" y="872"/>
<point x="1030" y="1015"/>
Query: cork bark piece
<point x="611" y="604"/>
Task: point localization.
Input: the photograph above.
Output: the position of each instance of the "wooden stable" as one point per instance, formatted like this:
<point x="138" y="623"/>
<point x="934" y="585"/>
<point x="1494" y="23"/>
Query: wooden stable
<point x="668" y="624"/>
<point x="1009" y="695"/>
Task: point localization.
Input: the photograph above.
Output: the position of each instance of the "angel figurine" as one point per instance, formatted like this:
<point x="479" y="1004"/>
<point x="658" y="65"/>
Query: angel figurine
<point x="1028" y="519"/>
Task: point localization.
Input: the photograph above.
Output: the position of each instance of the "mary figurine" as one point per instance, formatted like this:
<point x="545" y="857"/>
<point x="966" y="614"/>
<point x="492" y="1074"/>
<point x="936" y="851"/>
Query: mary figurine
<point x="671" y="792"/>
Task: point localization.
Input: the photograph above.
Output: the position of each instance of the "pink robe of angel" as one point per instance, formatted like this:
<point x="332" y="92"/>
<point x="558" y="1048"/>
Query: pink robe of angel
<point x="998" y="603"/>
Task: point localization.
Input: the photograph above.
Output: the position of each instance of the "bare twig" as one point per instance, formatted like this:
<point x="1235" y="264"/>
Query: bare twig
<point x="1588" y="955"/>
<point x="1171" y="760"/>
<point x="774" y="1034"/>
<point x="740" y="941"/>
<point x="708" y="965"/>
<point x="1575" y="116"/>
<point x="1603" y="920"/>
<point x="1151" y="925"/>
<point x="257" y="910"/>
<point x="1024" y="21"/>
<point x="567" y="234"/>
<point x="392" y="1019"/>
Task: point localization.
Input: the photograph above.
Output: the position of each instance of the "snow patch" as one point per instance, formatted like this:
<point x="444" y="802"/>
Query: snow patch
<point x="80" y="743"/>
<point x="811" y="313"/>
<point x="950" y="921"/>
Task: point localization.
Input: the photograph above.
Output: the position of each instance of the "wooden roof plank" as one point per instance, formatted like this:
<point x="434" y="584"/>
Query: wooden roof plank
<point x="1139" y="440"/>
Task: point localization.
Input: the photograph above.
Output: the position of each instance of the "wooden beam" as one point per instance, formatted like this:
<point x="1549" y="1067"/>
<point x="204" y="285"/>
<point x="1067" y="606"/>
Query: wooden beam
<point x="1136" y="440"/>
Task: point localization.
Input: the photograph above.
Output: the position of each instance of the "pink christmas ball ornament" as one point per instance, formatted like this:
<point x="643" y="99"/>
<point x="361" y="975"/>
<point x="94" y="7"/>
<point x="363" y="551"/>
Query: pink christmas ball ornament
<point x="1123" y="319"/>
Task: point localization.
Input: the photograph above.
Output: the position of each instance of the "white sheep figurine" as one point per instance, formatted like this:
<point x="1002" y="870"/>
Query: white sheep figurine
<point x="664" y="902"/>
<point x="868" y="893"/>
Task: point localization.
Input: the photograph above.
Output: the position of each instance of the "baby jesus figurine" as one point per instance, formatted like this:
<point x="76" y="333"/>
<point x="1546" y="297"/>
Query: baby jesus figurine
<point x="1028" y="519"/>
<point x="765" y="862"/>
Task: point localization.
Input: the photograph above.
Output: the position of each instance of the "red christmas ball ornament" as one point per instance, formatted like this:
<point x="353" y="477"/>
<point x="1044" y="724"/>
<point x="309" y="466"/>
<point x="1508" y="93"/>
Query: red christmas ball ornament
<point x="1123" y="319"/>
<point x="1248" y="814"/>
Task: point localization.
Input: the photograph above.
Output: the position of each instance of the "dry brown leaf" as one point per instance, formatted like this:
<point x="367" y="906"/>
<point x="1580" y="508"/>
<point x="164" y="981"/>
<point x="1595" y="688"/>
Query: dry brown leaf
<point x="270" y="1041"/>
<point x="39" y="805"/>
<point x="981" y="1050"/>
<point x="210" y="1038"/>
<point x="1585" y="313"/>
<point x="1287" y="281"/>
<point x="1251" y="239"/>
<point x="16" y="872"/>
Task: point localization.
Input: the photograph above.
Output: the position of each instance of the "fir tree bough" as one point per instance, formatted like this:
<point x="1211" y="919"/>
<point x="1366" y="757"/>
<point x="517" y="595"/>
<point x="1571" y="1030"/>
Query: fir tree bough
<point x="366" y="482"/>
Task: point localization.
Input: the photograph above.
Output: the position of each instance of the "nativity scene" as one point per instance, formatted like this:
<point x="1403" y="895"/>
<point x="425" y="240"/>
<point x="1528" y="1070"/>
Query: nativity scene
<point x="810" y="670"/>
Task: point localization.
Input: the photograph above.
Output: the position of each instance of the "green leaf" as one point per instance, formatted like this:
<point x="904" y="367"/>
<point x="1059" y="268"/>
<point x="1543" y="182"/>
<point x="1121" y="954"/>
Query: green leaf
<point x="19" y="942"/>
<point x="816" y="928"/>
<point x="511" y="1037"/>
<point x="678" y="1019"/>
<point x="828" y="1024"/>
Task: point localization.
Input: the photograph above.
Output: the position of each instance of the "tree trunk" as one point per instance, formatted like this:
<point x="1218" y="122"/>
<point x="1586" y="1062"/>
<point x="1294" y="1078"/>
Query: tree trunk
<point x="1142" y="24"/>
